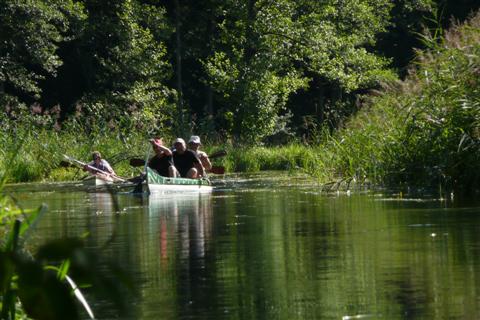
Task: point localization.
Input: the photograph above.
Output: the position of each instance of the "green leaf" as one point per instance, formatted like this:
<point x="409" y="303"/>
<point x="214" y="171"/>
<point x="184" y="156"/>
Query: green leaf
<point x="63" y="270"/>
<point x="43" y="295"/>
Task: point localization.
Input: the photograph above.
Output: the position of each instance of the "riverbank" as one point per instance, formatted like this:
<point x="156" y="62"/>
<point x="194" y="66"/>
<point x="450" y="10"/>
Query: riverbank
<point x="423" y="131"/>
<point x="39" y="159"/>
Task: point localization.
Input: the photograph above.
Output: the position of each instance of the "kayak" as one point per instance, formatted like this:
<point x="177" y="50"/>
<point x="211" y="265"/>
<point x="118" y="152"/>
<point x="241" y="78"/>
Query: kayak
<point x="156" y="183"/>
<point x="97" y="180"/>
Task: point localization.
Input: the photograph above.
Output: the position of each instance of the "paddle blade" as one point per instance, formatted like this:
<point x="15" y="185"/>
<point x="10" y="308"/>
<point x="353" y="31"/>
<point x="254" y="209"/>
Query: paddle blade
<point x="136" y="162"/>
<point x="217" y="170"/>
<point x="218" y="154"/>
<point x="66" y="164"/>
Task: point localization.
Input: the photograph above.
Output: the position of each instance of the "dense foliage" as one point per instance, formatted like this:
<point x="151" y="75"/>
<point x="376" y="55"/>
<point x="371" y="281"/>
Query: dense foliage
<point x="82" y="75"/>
<point x="244" y="68"/>
<point x="424" y="130"/>
<point x="46" y="281"/>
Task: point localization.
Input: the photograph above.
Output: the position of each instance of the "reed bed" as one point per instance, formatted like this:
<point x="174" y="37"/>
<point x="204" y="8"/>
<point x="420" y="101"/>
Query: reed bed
<point x="424" y="130"/>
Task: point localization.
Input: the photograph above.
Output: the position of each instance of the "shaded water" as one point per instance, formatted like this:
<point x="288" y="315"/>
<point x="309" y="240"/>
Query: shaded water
<point x="256" y="251"/>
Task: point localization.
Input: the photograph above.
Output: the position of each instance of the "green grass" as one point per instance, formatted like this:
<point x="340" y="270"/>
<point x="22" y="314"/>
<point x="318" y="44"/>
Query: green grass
<point x="38" y="155"/>
<point x="38" y="158"/>
<point x="422" y="131"/>
<point x="292" y="157"/>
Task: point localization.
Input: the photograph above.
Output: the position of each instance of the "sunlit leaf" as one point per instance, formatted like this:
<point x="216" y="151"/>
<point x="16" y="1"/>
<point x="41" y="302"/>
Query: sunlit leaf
<point x="80" y="297"/>
<point x="43" y="295"/>
<point x="63" y="270"/>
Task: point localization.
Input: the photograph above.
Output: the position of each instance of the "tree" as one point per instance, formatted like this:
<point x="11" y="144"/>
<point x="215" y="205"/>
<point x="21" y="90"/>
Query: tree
<point x="31" y="32"/>
<point x="267" y="50"/>
<point x="117" y="64"/>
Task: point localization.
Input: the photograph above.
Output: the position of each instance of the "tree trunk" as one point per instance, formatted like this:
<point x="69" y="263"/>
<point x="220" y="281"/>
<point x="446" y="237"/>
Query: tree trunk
<point x="209" y="105"/>
<point x="208" y="109"/>
<point x="251" y="48"/>
<point x="249" y="52"/>
<point x="178" y="54"/>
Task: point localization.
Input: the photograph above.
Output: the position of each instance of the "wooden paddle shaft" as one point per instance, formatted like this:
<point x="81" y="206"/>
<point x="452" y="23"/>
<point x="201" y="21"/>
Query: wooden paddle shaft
<point x="91" y="167"/>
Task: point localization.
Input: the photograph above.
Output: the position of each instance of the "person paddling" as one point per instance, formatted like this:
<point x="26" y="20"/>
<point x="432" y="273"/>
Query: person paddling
<point x="100" y="164"/>
<point x="162" y="161"/>
<point x="194" y="145"/>
<point x="186" y="161"/>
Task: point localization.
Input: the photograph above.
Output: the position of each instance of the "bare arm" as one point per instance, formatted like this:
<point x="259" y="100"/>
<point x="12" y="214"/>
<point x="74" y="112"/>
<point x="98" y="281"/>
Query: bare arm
<point x="201" y="169"/>
<point x="165" y="150"/>
<point x="88" y="167"/>
<point x="205" y="160"/>
<point x="108" y="167"/>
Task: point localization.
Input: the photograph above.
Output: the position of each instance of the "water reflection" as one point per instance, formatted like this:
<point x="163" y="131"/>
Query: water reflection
<point x="100" y="217"/>
<point x="280" y="254"/>
<point x="184" y="220"/>
<point x="101" y="203"/>
<point x="179" y="232"/>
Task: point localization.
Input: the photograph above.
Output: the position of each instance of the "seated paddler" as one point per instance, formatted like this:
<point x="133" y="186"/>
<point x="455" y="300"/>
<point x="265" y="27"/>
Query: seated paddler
<point x="99" y="166"/>
<point x="186" y="161"/>
<point x="194" y="145"/>
<point x="162" y="161"/>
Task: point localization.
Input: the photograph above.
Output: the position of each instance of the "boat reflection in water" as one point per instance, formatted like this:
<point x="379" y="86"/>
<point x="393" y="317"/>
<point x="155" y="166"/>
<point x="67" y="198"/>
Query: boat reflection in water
<point x="182" y="227"/>
<point x="101" y="202"/>
<point x="183" y="222"/>
<point x="101" y="217"/>
<point x="162" y="240"/>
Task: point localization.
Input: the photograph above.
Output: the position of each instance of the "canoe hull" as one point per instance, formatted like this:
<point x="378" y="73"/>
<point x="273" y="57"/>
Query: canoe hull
<point x="97" y="180"/>
<point x="158" y="184"/>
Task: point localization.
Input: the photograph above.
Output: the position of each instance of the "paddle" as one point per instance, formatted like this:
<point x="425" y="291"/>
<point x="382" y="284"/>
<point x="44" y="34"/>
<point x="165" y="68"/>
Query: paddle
<point x="218" y="154"/>
<point x="83" y="164"/>
<point x="137" y="162"/>
<point x="66" y="164"/>
<point x="217" y="170"/>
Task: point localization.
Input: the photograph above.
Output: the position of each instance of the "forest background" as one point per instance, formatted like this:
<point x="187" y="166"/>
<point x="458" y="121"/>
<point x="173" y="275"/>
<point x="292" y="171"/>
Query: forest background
<point x="349" y="90"/>
<point x="382" y="92"/>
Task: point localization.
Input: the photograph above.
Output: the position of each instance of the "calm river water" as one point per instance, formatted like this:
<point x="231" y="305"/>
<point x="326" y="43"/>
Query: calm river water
<point x="255" y="249"/>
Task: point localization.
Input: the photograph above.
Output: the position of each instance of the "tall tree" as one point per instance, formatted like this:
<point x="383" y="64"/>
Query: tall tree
<point x="195" y="27"/>
<point x="31" y="32"/>
<point x="267" y="50"/>
<point x="118" y="62"/>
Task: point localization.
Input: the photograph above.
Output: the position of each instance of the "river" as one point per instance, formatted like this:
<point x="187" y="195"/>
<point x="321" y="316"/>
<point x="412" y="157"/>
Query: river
<point x="260" y="249"/>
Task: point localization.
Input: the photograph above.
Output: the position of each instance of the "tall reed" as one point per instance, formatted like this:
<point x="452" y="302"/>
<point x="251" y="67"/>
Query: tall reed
<point x="423" y="130"/>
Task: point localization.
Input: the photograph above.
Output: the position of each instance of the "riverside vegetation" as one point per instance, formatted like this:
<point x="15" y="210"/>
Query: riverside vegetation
<point x="48" y="284"/>
<point x="369" y="126"/>
<point x="128" y="86"/>
<point x="420" y="131"/>
<point x="423" y="131"/>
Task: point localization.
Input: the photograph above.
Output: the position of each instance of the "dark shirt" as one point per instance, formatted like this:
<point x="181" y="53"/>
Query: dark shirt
<point x="184" y="162"/>
<point x="161" y="164"/>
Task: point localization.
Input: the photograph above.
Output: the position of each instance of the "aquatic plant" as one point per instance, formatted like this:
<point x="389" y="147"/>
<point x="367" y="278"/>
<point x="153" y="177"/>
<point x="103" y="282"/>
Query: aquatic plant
<point x="42" y="285"/>
<point x="423" y="130"/>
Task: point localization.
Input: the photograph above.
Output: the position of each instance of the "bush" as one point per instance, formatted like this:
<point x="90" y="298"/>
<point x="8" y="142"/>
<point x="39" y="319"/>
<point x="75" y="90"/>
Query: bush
<point x="424" y="130"/>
